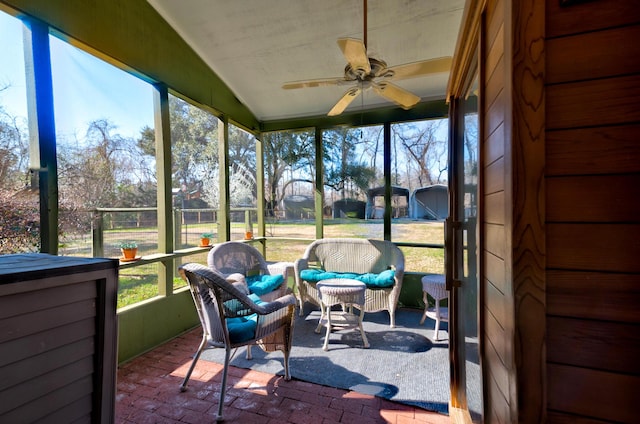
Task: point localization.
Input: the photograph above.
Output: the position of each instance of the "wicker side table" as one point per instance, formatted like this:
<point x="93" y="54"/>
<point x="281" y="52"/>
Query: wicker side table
<point x="434" y="286"/>
<point x="345" y="292"/>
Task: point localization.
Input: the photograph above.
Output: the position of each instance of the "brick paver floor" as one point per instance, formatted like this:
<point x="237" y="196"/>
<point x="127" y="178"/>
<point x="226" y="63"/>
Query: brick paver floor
<point x="148" y="392"/>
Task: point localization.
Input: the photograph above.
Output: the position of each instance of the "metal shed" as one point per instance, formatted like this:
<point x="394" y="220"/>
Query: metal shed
<point x="431" y="202"/>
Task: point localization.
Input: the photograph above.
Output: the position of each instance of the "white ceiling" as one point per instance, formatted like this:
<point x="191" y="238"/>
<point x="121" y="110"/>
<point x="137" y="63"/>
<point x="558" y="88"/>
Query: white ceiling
<point x="255" y="46"/>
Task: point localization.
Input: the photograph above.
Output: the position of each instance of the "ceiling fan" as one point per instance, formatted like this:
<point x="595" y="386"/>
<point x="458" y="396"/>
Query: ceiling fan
<point x="368" y="72"/>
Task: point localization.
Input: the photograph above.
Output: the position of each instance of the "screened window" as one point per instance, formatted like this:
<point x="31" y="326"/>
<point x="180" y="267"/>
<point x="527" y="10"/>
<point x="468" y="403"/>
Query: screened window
<point x="19" y="201"/>
<point x="290" y="188"/>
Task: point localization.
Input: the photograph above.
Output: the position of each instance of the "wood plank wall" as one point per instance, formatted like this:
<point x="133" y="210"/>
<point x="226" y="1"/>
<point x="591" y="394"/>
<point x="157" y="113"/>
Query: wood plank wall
<point x="497" y="286"/>
<point x="593" y="211"/>
<point x="513" y="255"/>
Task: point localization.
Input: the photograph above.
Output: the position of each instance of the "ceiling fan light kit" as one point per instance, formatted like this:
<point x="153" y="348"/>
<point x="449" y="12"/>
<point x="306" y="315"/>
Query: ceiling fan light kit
<point x="368" y="72"/>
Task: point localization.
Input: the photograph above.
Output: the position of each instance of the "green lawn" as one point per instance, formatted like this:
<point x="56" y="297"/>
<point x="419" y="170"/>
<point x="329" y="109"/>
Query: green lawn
<point x="140" y="282"/>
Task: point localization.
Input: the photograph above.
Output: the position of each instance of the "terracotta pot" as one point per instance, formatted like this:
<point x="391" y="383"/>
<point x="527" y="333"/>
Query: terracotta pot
<point x="129" y="253"/>
<point x="248" y="235"/>
<point x="204" y="242"/>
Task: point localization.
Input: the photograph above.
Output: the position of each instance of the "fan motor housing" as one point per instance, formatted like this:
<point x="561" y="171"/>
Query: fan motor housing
<point x="378" y="68"/>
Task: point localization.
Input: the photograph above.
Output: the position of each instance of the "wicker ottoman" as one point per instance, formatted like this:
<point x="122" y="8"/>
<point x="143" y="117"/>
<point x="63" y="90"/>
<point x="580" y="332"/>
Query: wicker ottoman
<point x="345" y="292"/>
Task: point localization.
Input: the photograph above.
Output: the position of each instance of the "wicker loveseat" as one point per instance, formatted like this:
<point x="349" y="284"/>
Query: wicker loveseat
<point x="378" y="263"/>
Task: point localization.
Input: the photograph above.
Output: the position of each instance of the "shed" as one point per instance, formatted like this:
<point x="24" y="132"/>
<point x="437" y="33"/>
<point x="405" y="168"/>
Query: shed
<point x="348" y="208"/>
<point x="431" y="202"/>
<point x="299" y="206"/>
<point x="399" y="202"/>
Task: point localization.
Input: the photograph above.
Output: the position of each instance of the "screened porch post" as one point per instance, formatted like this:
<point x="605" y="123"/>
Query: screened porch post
<point x="260" y="189"/>
<point x="387" y="181"/>
<point x="319" y="189"/>
<point x="42" y="131"/>
<point x="224" y="212"/>
<point x="163" y="170"/>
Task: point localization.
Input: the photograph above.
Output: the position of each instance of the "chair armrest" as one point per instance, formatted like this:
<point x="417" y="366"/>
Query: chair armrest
<point x="280" y="268"/>
<point x="279" y="303"/>
<point x="300" y="264"/>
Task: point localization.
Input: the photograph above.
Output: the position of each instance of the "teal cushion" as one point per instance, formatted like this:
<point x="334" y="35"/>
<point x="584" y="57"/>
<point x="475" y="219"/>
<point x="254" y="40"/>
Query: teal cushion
<point x="242" y="329"/>
<point x="263" y="284"/>
<point x="383" y="279"/>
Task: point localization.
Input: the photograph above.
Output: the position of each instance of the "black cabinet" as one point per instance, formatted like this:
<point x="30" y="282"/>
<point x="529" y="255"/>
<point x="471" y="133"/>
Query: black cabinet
<point x="58" y="338"/>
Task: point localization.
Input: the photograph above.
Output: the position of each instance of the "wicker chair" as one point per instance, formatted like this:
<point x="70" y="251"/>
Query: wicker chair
<point x="239" y="261"/>
<point x="231" y="319"/>
<point x="353" y="255"/>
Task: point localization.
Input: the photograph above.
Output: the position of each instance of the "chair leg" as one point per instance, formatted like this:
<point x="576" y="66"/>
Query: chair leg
<point x="364" y="336"/>
<point x="203" y="343"/>
<point x="287" y="375"/>
<point x="223" y="387"/>
<point x="437" y="327"/>
<point x="426" y="307"/>
<point x="249" y="355"/>
<point x="322" y="312"/>
<point x="392" y="316"/>
<point x="325" y="346"/>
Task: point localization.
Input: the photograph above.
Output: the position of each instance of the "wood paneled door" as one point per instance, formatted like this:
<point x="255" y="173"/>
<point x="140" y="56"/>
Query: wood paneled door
<point x="462" y="268"/>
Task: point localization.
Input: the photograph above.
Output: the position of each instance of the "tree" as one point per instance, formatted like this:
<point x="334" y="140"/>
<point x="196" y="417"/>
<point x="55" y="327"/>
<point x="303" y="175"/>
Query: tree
<point x="101" y="170"/>
<point x="14" y="150"/>
<point x="194" y="150"/>
<point x="285" y="151"/>
<point x="348" y="176"/>
<point x="19" y="203"/>
<point x="423" y="150"/>
<point x="242" y="167"/>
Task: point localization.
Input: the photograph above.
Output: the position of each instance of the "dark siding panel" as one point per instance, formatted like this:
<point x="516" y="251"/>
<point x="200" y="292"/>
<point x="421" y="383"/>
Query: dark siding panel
<point x="497" y="298"/>
<point x="594" y="198"/>
<point x="34" y="322"/>
<point x="607" y="55"/>
<point x="604" y="150"/>
<point x="498" y="338"/>
<point x="613" y="346"/>
<point x="495" y="272"/>
<point x="611" y="101"/>
<point x="593" y="393"/>
<point x="494" y="208"/>
<point x="589" y="247"/>
<point x="39" y="409"/>
<point x="495" y="239"/>
<point x="496" y="303"/>
<point x="495" y="178"/>
<point x="593" y="210"/>
<point x="15" y="349"/>
<point x="31" y="301"/>
<point x="590" y="16"/>
<point x="499" y="410"/>
<point x="594" y="295"/>
<point x="494" y="117"/>
<point x="27" y="395"/>
<point x="38" y="365"/>
<point x="493" y="149"/>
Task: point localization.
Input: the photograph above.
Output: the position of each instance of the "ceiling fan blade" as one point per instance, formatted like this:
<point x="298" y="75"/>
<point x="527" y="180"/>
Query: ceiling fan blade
<point x="396" y="94"/>
<point x="416" y="69"/>
<point x="355" y="52"/>
<point x="345" y="101"/>
<point x="314" y="83"/>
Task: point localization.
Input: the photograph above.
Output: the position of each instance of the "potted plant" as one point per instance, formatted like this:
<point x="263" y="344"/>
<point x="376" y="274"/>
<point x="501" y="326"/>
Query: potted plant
<point x="205" y="239"/>
<point x="129" y="249"/>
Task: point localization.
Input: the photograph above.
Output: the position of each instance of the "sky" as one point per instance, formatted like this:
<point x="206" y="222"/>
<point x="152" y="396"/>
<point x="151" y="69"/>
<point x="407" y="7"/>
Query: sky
<point x="85" y="87"/>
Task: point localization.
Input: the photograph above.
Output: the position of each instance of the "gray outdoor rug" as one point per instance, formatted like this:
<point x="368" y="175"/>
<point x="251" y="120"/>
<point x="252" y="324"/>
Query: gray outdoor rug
<point x="402" y="364"/>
